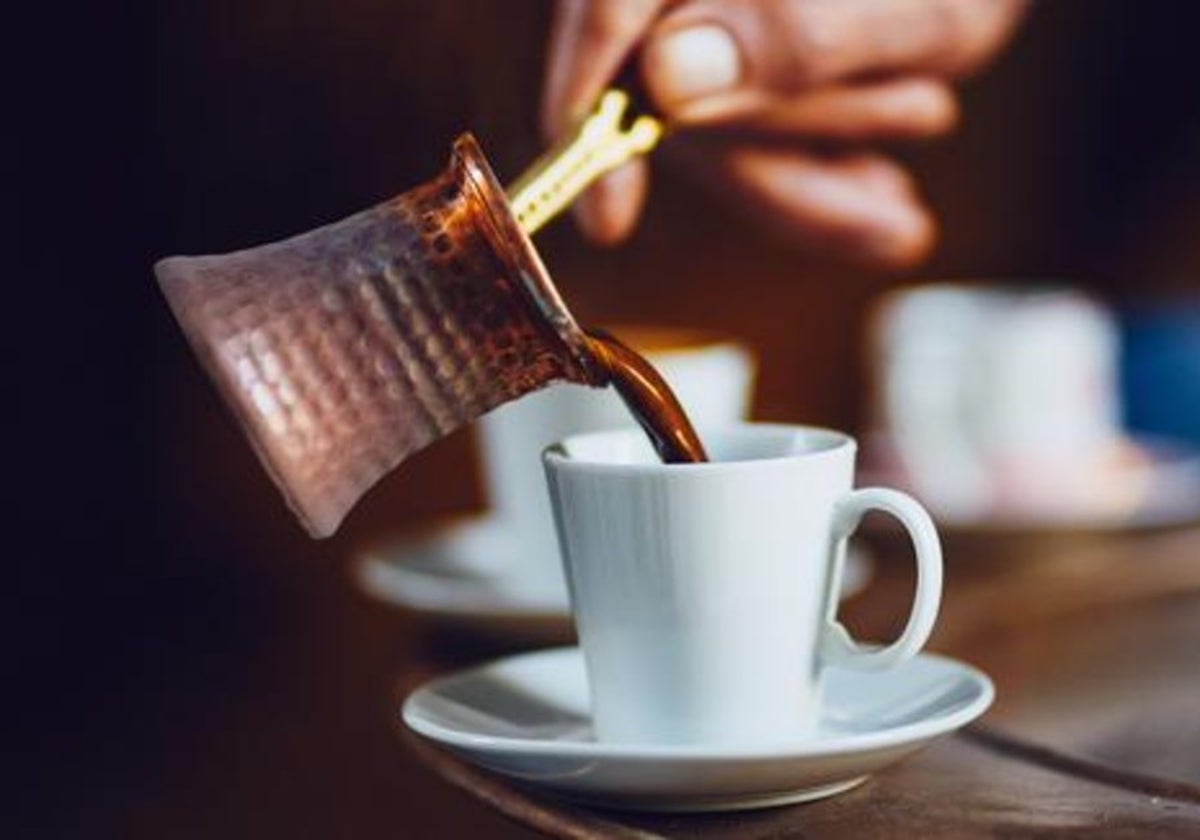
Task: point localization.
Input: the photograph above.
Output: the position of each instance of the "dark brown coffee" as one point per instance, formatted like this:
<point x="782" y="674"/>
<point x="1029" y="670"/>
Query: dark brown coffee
<point x="649" y="398"/>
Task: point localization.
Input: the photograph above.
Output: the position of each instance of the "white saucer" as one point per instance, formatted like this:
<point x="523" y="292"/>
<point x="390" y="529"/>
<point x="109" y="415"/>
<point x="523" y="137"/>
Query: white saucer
<point x="526" y="717"/>
<point x="457" y="573"/>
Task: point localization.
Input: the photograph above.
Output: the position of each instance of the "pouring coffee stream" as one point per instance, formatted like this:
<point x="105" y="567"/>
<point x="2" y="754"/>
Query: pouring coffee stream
<point x="600" y="144"/>
<point x="346" y="349"/>
<point x="649" y="398"/>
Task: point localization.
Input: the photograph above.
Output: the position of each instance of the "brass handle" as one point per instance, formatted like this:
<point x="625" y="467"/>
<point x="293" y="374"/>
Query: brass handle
<point x="599" y="144"/>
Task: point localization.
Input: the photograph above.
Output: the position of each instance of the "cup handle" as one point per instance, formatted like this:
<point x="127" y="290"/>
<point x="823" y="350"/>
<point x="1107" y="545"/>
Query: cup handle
<point x="837" y="645"/>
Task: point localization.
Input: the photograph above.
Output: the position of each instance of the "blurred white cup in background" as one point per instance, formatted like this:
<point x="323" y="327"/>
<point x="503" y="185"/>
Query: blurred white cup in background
<point x="997" y="397"/>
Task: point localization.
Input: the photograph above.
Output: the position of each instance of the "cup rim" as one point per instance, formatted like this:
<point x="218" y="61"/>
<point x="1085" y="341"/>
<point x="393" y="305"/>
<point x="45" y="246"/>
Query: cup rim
<point x="557" y="456"/>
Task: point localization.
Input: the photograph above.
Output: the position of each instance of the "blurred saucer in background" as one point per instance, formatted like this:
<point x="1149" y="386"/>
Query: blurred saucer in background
<point x="461" y="573"/>
<point x="1143" y="483"/>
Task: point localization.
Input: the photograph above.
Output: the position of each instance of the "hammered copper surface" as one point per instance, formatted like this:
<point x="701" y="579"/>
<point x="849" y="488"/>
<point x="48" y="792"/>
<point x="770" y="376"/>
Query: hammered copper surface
<point x="345" y="349"/>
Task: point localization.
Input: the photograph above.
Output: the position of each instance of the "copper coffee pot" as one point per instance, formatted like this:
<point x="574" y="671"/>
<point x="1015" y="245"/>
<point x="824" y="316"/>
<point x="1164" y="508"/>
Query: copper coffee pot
<point x="344" y="350"/>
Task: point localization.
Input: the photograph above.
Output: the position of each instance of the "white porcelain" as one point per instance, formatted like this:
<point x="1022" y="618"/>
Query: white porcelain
<point x="994" y="392"/>
<point x="702" y="593"/>
<point x="527" y="717"/>
<point x="713" y="380"/>
<point x="460" y="573"/>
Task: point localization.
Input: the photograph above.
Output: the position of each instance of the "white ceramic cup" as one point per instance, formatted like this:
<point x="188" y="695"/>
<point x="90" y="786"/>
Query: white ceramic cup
<point x="705" y="595"/>
<point x="713" y="378"/>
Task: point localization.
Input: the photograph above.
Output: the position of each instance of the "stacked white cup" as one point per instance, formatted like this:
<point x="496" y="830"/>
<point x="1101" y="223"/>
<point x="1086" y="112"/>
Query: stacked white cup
<point x="997" y="398"/>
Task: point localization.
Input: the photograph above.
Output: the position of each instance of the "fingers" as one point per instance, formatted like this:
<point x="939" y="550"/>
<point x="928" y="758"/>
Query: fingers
<point x="835" y="70"/>
<point x="708" y="58"/>
<point x="589" y="41"/>
<point x="608" y="211"/>
<point x="889" y="110"/>
<point x="860" y="206"/>
<point x="895" y="109"/>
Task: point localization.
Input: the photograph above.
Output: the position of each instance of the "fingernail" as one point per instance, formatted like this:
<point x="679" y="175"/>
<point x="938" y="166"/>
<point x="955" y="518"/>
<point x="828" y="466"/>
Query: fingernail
<point x="691" y="63"/>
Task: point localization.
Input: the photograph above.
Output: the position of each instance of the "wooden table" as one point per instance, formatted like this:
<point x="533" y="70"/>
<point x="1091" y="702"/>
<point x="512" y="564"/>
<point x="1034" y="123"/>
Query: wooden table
<point x="1094" y="644"/>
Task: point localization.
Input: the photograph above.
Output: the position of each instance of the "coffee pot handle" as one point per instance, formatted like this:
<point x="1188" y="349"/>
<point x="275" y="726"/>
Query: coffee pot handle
<point x="838" y="647"/>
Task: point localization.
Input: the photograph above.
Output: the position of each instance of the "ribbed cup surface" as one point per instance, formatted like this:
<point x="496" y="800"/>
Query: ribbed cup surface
<point x="346" y="349"/>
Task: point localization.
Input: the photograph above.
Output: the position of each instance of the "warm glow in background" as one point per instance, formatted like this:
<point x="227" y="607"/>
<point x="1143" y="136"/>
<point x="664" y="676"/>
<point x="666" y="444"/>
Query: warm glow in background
<point x="187" y="661"/>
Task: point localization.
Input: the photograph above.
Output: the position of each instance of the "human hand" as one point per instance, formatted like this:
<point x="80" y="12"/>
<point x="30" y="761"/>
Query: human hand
<point x="785" y="102"/>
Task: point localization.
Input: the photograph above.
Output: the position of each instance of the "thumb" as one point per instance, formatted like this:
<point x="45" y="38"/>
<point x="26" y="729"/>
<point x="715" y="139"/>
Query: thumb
<point x="711" y="59"/>
<point x="589" y="40"/>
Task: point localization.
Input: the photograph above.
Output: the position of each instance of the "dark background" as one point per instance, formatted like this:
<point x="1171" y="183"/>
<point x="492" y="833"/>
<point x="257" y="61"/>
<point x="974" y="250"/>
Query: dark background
<point x="180" y="659"/>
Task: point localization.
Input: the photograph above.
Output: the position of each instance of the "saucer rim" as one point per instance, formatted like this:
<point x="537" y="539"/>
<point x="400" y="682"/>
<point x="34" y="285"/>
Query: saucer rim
<point x="372" y="565"/>
<point x="819" y="747"/>
<point x="398" y="559"/>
